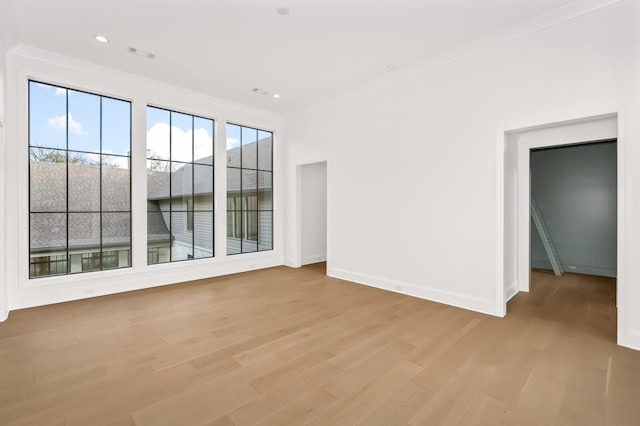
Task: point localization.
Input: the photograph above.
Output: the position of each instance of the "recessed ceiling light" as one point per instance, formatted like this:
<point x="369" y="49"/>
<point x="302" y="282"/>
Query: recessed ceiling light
<point x="275" y="95"/>
<point x="391" y="67"/>
<point x="101" y="38"/>
<point x="282" y="10"/>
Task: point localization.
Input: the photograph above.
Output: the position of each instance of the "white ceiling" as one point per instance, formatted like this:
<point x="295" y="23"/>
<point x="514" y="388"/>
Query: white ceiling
<point x="226" y="48"/>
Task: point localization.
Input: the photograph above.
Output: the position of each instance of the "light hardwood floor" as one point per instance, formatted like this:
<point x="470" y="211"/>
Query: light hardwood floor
<point x="290" y="346"/>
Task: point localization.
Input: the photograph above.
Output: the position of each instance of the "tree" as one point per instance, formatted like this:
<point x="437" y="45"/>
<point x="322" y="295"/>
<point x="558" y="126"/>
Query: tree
<point x="41" y="155"/>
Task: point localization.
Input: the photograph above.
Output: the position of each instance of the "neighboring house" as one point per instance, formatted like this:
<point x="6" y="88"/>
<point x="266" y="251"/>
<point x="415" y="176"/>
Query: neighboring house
<point x="85" y="229"/>
<point x="182" y="200"/>
<point x="250" y="197"/>
<point x="172" y="215"/>
<point x="184" y="206"/>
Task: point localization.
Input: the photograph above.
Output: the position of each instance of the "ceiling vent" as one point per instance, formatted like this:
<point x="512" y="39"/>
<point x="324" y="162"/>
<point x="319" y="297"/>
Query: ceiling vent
<point x="140" y="52"/>
<point x="260" y="92"/>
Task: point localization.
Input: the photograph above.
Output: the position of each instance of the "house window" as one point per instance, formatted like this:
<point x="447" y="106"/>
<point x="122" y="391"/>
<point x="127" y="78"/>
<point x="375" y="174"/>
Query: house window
<point x="179" y="186"/>
<point x="91" y="261"/>
<point x="42" y="266"/>
<point x="249" y="189"/>
<point x="153" y="255"/>
<point x="79" y="178"/>
<point x="111" y="259"/>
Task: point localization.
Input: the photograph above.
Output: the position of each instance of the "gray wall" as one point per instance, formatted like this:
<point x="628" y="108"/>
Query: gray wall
<point x="575" y="190"/>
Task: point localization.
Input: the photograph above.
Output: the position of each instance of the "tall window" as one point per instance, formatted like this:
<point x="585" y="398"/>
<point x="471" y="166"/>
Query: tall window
<point x="79" y="181"/>
<point x="249" y="189"/>
<point x="179" y="186"/>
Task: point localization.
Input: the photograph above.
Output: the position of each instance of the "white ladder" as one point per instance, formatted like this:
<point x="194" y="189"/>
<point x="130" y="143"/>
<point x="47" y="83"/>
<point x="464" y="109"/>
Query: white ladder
<point x="546" y="241"/>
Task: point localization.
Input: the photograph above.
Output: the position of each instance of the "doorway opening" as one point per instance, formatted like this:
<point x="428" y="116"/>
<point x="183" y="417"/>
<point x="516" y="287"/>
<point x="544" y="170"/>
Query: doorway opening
<point x="573" y="200"/>
<point x="312" y="196"/>
<point x="514" y="243"/>
<point x="573" y="234"/>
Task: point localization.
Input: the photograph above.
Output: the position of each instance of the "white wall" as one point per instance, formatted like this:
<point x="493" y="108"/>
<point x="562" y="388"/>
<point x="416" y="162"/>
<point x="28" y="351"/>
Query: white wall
<point x="631" y="126"/>
<point x="510" y="241"/>
<point x="3" y="113"/>
<point x="25" y="63"/>
<point x="413" y="164"/>
<point x="314" y="212"/>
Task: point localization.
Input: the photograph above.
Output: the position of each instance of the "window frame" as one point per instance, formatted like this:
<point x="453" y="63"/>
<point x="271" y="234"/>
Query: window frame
<point x="69" y="251"/>
<point x="187" y="201"/>
<point x="242" y="201"/>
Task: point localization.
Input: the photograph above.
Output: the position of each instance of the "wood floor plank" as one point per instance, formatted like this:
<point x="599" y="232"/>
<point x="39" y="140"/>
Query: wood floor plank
<point x="276" y="399"/>
<point x="513" y="373"/>
<point x="449" y="403"/>
<point x="584" y="400"/>
<point x="222" y="421"/>
<point x="288" y="371"/>
<point x="353" y="409"/>
<point x="195" y="408"/>
<point x="367" y="370"/>
<point x="302" y="410"/>
<point x="484" y="411"/>
<point x="293" y="346"/>
<point x="542" y="395"/>
<point x="622" y="390"/>
<point x="400" y="407"/>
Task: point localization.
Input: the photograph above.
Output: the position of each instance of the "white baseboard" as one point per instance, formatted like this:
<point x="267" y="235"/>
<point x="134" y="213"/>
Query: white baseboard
<point x="484" y="306"/>
<point x="315" y="258"/>
<point x="292" y="263"/>
<point x="632" y="340"/>
<point x="511" y="291"/>
<point x="83" y="286"/>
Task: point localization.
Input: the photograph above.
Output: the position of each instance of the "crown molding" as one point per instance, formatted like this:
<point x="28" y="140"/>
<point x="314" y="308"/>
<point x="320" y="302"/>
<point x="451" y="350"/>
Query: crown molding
<point x="533" y="25"/>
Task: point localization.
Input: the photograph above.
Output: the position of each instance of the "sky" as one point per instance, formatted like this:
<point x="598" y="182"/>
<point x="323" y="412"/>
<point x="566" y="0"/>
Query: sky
<point x="181" y="137"/>
<point x="52" y="109"/>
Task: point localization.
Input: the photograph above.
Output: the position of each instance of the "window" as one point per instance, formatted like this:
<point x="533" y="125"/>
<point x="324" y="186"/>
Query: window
<point x="179" y="186"/>
<point x="111" y="259"/>
<point x="42" y="266"/>
<point x="79" y="179"/>
<point x="249" y="189"/>
<point x="90" y="261"/>
<point x="153" y="255"/>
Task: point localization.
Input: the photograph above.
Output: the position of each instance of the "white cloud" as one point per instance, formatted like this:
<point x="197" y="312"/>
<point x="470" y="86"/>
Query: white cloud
<point x="60" y="91"/>
<point x="120" y="162"/>
<point x="107" y="160"/>
<point x="232" y="143"/>
<point x="60" y="122"/>
<point x="158" y="142"/>
<point x="93" y="158"/>
<point x="201" y="144"/>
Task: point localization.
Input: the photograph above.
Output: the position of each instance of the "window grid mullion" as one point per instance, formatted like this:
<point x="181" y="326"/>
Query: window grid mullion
<point x="66" y="91"/>
<point x="100" y="187"/>
<point x="193" y="190"/>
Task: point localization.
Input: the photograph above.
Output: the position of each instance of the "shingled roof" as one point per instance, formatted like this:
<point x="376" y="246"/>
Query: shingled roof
<point x="48" y="197"/>
<point x="48" y="201"/>
<point x="255" y="153"/>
